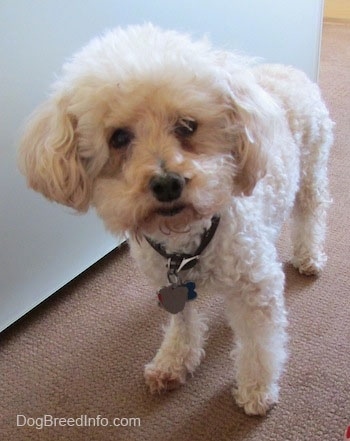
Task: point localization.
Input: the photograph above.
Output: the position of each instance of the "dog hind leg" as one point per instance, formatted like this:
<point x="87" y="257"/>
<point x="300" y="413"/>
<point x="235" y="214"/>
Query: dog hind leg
<point x="312" y="201"/>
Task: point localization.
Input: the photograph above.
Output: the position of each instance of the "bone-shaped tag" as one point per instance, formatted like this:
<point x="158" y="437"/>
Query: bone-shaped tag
<point x="191" y="293"/>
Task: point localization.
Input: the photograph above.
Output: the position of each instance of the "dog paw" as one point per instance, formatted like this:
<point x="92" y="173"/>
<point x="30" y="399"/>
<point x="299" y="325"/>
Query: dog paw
<point x="161" y="380"/>
<point x="255" y="402"/>
<point x="309" y="266"/>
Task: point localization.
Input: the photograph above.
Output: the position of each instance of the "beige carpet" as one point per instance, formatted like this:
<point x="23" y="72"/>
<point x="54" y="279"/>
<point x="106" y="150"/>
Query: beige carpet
<point x="83" y="351"/>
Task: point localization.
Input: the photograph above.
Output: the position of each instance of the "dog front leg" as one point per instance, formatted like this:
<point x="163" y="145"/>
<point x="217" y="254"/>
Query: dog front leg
<point x="258" y="318"/>
<point x="180" y="353"/>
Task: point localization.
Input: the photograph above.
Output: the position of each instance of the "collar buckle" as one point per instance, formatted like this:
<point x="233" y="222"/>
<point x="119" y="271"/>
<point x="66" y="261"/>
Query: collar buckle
<point x="177" y="263"/>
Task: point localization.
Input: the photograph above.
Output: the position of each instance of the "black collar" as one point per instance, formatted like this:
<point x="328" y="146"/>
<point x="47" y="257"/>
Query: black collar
<point x="182" y="261"/>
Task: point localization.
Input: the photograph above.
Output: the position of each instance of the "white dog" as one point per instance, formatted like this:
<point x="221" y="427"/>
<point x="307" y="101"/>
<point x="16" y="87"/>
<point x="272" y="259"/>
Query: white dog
<point x="199" y="156"/>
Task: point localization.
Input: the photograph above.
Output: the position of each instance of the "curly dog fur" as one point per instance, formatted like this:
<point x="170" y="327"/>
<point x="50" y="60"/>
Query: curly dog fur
<point x="160" y="133"/>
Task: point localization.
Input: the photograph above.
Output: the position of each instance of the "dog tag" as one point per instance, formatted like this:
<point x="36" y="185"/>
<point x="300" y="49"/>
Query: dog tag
<point x="173" y="298"/>
<point x="191" y="293"/>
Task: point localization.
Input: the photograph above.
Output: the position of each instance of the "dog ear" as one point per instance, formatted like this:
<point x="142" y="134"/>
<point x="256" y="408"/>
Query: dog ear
<point x="49" y="157"/>
<point x="253" y="118"/>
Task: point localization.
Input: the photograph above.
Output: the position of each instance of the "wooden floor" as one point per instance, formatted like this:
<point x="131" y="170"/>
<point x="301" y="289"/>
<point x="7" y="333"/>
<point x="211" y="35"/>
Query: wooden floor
<point x="337" y="10"/>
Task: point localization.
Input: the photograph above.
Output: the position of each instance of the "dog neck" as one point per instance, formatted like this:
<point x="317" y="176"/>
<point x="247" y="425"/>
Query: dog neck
<point x="189" y="243"/>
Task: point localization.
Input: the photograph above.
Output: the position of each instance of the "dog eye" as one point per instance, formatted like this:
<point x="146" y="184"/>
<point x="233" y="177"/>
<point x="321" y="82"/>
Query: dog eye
<point x="185" y="127"/>
<point x="121" y="138"/>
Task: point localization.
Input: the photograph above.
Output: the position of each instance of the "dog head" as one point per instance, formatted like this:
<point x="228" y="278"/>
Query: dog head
<point x="152" y="129"/>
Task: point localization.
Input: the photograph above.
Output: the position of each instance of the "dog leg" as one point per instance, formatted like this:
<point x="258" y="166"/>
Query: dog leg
<point x="257" y="315"/>
<point x="180" y="353"/>
<point x="312" y="201"/>
<point x="309" y="224"/>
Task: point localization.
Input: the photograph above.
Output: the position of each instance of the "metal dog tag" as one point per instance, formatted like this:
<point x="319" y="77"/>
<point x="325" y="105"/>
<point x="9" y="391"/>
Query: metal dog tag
<point x="173" y="298"/>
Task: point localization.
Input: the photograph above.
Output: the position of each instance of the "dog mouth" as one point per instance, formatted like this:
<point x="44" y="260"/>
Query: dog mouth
<point x="170" y="211"/>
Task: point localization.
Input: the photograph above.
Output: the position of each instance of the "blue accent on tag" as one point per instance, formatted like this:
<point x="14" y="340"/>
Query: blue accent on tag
<point x="191" y="294"/>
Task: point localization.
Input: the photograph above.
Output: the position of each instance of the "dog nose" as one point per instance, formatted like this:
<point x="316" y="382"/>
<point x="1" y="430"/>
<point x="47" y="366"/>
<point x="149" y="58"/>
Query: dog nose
<point x="167" y="187"/>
